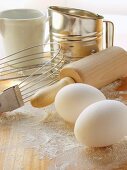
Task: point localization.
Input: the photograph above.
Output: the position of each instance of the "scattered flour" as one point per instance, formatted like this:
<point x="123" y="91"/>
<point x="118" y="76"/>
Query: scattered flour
<point x="51" y="137"/>
<point x="41" y="129"/>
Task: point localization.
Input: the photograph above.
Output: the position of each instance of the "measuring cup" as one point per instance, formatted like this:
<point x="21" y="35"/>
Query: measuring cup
<point x="20" y="29"/>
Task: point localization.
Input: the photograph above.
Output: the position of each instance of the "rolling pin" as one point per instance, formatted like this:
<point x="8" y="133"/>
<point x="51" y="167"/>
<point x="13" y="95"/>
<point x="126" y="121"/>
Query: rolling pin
<point x="98" y="70"/>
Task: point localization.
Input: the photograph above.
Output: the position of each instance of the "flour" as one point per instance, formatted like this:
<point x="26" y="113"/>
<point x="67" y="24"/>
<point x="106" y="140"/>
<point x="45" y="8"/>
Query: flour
<point x="111" y="93"/>
<point x="46" y="132"/>
<point x="110" y="90"/>
<point x="108" y="158"/>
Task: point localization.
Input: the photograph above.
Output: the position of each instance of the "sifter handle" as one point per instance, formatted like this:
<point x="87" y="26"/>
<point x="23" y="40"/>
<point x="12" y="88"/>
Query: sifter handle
<point x="109" y="33"/>
<point x="46" y="96"/>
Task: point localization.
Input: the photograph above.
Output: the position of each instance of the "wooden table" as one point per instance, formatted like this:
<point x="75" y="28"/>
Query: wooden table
<point x="22" y="159"/>
<point x="28" y="159"/>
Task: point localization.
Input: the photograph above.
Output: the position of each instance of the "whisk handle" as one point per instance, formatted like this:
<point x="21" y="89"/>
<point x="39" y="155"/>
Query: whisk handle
<point x="46" y="96"/>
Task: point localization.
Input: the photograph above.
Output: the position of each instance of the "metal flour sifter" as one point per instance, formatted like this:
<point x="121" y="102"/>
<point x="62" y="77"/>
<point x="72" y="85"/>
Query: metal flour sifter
<point x="33" y="68"/>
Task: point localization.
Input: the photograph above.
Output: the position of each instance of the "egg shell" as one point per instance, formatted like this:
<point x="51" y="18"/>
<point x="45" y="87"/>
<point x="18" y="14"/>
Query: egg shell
<point x="102" y="123"/>
<point x="72" y="99"/>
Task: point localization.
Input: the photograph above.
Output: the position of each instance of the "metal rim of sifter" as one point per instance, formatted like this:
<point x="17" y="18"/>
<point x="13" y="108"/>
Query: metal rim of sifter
<point x="76" y="12"/>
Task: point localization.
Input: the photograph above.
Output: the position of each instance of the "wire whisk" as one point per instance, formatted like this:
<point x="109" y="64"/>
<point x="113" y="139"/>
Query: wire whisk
<point x="34" y="67"/>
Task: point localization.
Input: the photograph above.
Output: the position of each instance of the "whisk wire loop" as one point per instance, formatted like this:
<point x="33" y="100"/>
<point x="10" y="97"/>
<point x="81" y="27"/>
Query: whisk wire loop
<point x="34" y="67"/>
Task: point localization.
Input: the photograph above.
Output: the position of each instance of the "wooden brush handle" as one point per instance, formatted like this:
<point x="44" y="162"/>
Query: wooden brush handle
<point x="97" y="70"/>
<point x="46" y="95"/>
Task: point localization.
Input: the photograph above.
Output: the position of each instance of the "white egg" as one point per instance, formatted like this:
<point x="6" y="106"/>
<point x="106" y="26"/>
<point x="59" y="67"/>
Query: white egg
<point x="72" y="99"/>
<point x="102" y="123"/>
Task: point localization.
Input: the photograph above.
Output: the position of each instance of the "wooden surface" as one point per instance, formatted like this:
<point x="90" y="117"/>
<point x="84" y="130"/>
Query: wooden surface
<point x="22" y="159"/>
<point x="28" y="159"/>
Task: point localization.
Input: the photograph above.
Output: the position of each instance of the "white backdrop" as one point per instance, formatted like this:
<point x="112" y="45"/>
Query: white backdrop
<point x="98" y="6"/>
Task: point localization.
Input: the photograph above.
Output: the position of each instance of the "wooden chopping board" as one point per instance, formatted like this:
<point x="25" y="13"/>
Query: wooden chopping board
<point x="28" y="159"/>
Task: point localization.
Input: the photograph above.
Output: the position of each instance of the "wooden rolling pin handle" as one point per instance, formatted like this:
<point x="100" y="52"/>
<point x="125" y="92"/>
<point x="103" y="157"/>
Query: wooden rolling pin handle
<point x="45" y="96"/>
<point x="97" y="70"/>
